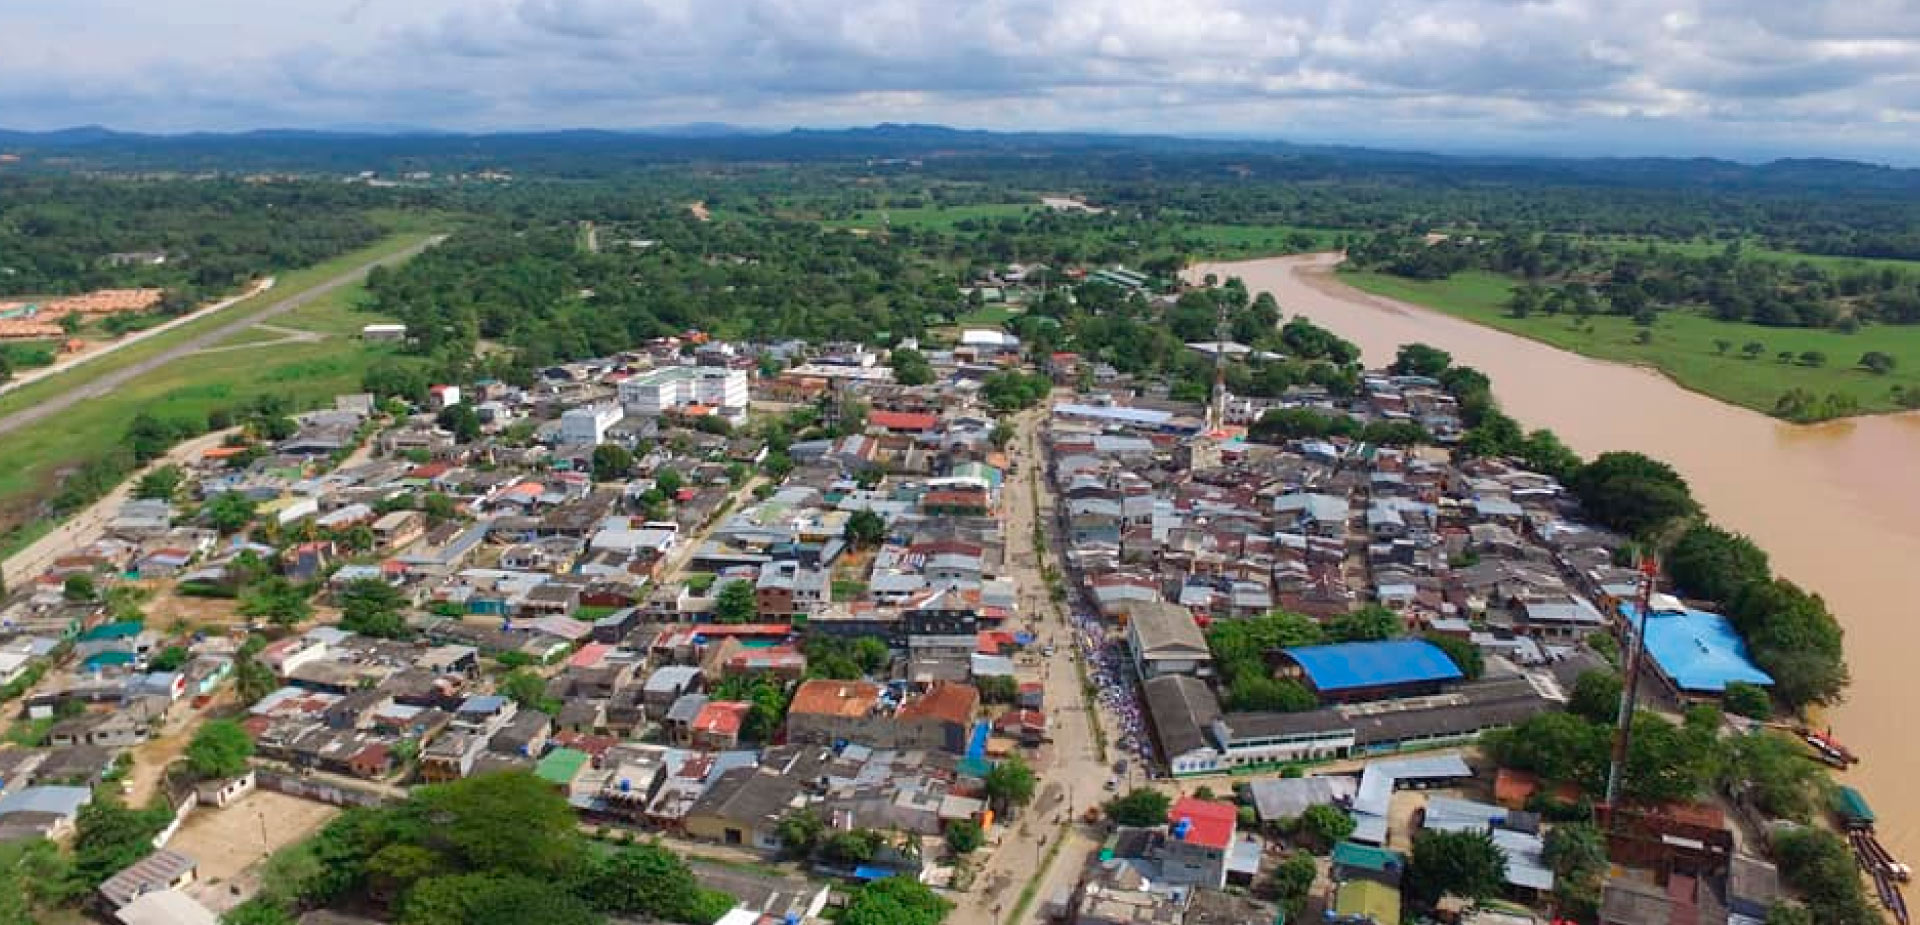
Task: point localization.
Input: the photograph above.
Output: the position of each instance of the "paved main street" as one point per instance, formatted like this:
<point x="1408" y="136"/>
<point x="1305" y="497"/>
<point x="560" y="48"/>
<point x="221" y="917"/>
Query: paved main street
<point x="1076" y="775"/>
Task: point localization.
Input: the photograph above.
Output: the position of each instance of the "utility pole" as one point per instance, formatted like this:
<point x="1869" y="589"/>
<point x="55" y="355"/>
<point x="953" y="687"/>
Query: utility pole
<point x="1630" y="687"/>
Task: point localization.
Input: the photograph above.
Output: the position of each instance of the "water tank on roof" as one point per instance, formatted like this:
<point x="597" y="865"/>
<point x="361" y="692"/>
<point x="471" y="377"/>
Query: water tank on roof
<point x="1181" y="827"/>
<point x="625" y="785"/>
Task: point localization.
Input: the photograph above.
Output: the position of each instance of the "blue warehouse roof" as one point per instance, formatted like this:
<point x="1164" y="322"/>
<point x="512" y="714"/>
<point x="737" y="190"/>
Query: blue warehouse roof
<point x="1374" y="664"/>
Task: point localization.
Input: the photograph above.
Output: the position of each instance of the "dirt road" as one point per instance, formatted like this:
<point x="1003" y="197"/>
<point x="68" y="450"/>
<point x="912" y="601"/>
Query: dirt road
<point x="106" y="384"/>
<point x="84" y="527"/>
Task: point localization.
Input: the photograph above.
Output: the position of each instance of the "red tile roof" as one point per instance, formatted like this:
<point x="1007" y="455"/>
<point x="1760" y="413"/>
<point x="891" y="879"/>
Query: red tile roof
<point x="902" y="420"/>
<point x="722" y="717"/>
<point x="835" y="698"/>
<point x="947" y="702"/>
<point x="589" y="655"/>
<point x="1210" y="823"/>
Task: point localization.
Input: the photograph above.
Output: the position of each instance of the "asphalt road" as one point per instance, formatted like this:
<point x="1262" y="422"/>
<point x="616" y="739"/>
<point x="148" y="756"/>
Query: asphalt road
<point x="106" y="384"/>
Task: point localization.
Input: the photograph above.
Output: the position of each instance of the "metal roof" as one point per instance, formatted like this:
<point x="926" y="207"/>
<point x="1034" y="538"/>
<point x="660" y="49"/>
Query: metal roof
<point x="1348" y="665"/>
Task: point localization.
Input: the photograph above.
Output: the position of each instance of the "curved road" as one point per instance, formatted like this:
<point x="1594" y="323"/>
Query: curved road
<point x="119" y="377"/>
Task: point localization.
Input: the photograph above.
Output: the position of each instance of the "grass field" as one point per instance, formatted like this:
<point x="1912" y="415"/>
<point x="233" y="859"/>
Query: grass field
<point x="1684" y="343"/>
<point x="1753" y="250"/>
<point x="989" y="316"/>
<point x="191" y="386"/>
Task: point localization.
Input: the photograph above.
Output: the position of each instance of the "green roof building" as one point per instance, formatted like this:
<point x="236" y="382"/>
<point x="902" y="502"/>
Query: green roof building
<point x="561" y="766"/>
<point x="1368" y="899"/>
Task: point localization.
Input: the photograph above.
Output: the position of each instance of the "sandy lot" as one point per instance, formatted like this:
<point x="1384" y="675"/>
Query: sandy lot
<point x="227" y="842"/>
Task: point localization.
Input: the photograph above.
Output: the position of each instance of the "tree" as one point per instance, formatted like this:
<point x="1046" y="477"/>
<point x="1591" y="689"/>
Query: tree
<point x="1465" y="863"/>
<point x="110" y="837"/>
<point x="510" y="820"/>
<point x="492" y="898"/>
<point x="1596" y="696"/>
<point x="1420" y="360"/>
<point x="1787" y="912"/>
<point x="219" y="750"/>
<point x="169" y="659"/>
<point x="1877" y="362"/>
<point x="1794" y="638"/>
<point x="736" y="603"/>
<point x="527" y="688"/>
<point x="229" y="512"/>
<point x="371" y="607"/>
<point x="278" y="600"/>
<point x="1752" y="349"/>
<point x="1559" y="747"/>
<point x="851" y="847"/>
<point x="161" y="483"/>
<point x="78" y="587"/>
<point x="895" y="901"/>
<point x="1324" y="825"/>
<point x="1293" y="882"/>
<point x="1010" y="783"/>
<point x="257" y="911"/>
<point x="800" y="831"/>
<point x="1576" y="852"/>
<point x="1139" y="808"/>
<point x="910" y="367"/>
<point x="964" y="836"/>
<point x="461" y="421"/>
<point x="865" y="529"/>
<point x="1772" y="772"/>
<point x="1812" y="358"/>
<point x="1464" y="655"/>
<point x="1369" y="623"/>
<point x="1632" y="493"/>
<point x="1819" y="866"/>
<point x="646" y="879"/>
<point x="1721" y="345"/>
<point x="1712" y="563"/>
<point x="611" y="462"/>
<point x="669" y="481"/>
<point x="1748" y="700"/>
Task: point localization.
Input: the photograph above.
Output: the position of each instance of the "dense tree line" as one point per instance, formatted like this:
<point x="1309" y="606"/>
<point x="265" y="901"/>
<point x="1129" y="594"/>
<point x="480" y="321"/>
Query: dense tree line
<point x="1563" y="276"/>
<point x="56" y="233"/>
<point x="501" y="847"/>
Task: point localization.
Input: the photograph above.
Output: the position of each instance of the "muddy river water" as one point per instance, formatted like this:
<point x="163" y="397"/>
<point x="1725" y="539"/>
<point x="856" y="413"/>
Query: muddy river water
<point x="1837" y="506"/>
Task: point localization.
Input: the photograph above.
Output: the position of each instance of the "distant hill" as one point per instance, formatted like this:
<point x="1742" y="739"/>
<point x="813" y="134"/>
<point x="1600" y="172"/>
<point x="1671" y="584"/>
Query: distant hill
<point x="574" y="152"/>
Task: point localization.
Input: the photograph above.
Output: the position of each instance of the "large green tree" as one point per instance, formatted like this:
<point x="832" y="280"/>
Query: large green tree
<point x="1465" y="863"/>
<point x="219" y="749"/>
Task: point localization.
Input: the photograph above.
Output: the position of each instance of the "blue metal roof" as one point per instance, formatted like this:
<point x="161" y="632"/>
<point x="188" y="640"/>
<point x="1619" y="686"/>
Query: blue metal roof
<point x="1372" y="664"/>
<point x="1700" y="651"/>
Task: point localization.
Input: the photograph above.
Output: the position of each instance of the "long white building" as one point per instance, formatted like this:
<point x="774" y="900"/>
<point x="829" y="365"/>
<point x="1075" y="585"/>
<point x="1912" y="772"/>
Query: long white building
<point x="658" y="391"/>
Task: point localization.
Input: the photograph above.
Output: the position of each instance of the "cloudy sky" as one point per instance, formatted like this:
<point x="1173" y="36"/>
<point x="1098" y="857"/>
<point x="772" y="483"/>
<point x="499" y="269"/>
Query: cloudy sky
<point x="1729" y="77"/>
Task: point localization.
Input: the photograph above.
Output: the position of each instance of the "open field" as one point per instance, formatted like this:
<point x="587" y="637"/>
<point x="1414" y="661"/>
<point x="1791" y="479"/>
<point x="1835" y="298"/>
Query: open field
<point x="1684" y="344"/>
<point x="187" y="387"/>
<point x="229" y="843"/>
<point x="1754" y="250"/>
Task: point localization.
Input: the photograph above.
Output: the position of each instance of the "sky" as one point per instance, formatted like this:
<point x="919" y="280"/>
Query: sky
<point x="1739" y="78"/>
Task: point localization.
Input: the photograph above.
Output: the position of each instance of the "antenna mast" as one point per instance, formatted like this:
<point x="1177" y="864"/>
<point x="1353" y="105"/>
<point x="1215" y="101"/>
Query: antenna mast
<point x="1630" y="687"/>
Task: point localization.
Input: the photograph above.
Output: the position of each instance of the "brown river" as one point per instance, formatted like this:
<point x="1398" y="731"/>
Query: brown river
<point x="1836" y="506"/>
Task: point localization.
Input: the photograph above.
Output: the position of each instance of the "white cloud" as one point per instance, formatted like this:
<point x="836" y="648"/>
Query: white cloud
<point x="1787" y="74"/>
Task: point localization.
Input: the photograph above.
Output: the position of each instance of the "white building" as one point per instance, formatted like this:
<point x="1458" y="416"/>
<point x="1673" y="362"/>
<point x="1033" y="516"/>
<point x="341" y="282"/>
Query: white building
<point x="656" y="392"/>
<point x="587" y="424"/>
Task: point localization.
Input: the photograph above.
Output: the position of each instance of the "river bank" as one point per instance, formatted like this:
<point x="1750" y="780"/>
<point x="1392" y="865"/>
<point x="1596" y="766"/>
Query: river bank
<point x="1750" y="365"/>
<point x="1833" y="504"/>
